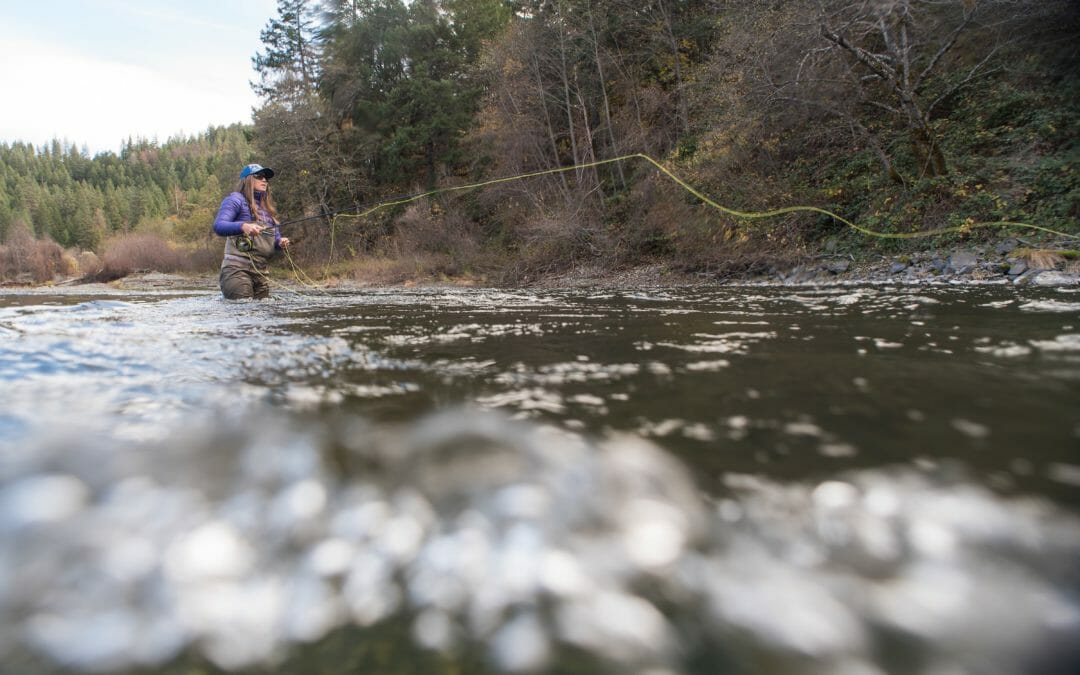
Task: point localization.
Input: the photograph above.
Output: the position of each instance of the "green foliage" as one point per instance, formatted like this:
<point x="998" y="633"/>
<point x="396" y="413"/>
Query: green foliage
<point x="398" y="79"/>
<point x="288" y="67"/>
<point x="79" y="201"/>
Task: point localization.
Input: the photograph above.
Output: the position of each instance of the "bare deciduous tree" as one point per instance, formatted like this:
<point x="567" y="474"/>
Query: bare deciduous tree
<point x="854" y="57"/>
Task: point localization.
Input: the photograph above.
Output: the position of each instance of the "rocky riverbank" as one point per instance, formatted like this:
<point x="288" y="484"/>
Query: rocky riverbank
<point x="1007" y="261"/>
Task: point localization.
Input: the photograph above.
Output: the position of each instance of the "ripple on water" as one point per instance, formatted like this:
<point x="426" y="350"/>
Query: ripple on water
<point x="1062" y="343"/>
<point x="239" y="541"/>
<point x="242" y="532"/>
<point x="1056" y="306"/>
<point x="737" y="342"/>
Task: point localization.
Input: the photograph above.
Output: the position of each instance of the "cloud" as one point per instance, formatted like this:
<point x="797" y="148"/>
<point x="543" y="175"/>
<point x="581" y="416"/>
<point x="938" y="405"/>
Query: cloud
<point x="54" y="93"/>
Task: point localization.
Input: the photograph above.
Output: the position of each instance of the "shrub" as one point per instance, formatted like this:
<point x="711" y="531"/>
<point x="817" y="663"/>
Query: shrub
<point x="203" y="259"/>
<point x="88" y="263"/>
<point x="436" y="239"/>
<point x="69" y="265"/>
<point x="555" y="243"/>
<point x="25" y="259"/>
<point x="136" y="252"/>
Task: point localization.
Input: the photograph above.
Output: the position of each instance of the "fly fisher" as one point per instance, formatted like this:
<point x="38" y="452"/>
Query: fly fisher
<point x="248" y="220"/>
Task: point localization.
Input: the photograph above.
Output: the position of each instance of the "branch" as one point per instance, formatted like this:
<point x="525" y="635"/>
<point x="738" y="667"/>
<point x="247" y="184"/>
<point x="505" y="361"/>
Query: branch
<point x="855" y="125"/>
<point x="869" y="60"/>
<point x="808" y="55"/>
<point x="968" y="17"/>
<point x="966" y="81"/>
<point x="886" y="108"/>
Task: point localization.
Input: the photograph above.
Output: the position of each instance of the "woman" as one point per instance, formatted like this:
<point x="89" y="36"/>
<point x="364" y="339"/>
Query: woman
<point x="249" y="220"/>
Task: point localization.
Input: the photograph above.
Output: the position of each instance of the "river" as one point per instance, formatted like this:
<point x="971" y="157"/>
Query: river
<point x="844" y="479"/>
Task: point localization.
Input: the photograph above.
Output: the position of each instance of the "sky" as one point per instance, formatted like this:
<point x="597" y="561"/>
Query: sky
<point x="94" y="72"/>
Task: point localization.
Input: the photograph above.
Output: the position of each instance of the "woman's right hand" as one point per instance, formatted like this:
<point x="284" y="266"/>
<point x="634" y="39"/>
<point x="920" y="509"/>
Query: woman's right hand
<point x="251" y="229"/>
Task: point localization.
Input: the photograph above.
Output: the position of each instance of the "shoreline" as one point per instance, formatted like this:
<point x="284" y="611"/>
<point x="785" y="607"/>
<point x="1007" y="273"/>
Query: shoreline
<point x="1002" y="264"/>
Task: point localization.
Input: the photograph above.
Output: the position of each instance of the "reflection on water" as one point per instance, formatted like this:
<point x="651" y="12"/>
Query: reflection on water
<point x="845" y="480"/>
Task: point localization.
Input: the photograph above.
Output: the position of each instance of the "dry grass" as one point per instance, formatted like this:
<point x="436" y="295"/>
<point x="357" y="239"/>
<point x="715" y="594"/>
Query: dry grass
<point x="26" y="260"/>
<point x="384" y="271"/>
<point x="1042" y="259"/>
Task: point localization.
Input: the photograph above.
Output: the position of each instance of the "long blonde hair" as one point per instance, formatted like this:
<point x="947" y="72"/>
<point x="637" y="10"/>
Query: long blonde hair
<point x="246" y="187"/>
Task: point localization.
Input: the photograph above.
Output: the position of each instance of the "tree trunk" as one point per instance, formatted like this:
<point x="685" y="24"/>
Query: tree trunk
<point x="590" y="143"/>
<point x="603" y="90"/>
<point x="549" y="124"/>
<point x="682" y="115"/>
<point x="567" y="101"/>
<point x="928" y="153"/>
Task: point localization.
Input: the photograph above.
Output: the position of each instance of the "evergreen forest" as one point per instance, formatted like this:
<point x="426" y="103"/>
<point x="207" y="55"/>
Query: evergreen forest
<point x="903" y="116"/>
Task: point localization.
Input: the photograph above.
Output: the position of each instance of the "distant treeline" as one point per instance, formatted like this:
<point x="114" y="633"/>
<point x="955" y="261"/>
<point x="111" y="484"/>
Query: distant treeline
<point x="901" y="115"/>
<point x="172" y="189"/>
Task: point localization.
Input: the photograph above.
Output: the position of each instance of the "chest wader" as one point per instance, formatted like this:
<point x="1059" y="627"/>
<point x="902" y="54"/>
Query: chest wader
<point x="244" y="267"/>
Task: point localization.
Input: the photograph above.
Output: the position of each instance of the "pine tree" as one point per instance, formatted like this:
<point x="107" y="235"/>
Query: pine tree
<point x="289" y="67"/>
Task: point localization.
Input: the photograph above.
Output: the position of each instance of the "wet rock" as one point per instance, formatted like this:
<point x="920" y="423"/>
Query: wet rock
<point x="1055" y="278"/>
<point x="1027" y="277"/>
<point x="899" y="266"/>
<point x="1016" y="267"/>
<point x="802" y="274"/>
<point x="937" y="266"/>
<point x="962" y="262"/>
<point x="1007" y="246"/>
<point x="838" y="266"/>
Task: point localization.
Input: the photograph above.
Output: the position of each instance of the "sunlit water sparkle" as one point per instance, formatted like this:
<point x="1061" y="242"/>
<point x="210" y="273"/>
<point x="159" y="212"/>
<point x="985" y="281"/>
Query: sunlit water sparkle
<point x="837" y="480"/>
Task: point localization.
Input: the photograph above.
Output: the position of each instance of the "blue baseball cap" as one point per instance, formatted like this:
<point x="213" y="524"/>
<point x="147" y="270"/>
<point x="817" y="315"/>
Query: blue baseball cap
<point x="251" y="169"/>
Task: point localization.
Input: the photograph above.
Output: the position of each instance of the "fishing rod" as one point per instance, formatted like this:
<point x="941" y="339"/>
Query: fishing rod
<point x="361" y="207"/>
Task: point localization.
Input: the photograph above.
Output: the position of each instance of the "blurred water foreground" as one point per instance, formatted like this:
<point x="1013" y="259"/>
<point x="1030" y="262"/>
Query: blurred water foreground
<point x="532" y="547"/>
<point x="189" y="485"/>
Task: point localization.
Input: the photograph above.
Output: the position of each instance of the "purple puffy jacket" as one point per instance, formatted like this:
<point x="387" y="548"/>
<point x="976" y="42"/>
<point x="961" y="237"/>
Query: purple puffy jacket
<point x="234" y="212"/>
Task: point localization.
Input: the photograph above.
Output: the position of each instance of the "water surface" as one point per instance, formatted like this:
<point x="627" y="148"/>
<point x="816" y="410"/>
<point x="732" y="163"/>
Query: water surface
<point x="804" y="474"/>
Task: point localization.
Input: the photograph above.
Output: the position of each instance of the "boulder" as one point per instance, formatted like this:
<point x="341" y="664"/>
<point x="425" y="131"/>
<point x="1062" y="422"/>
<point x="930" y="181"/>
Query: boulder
<point x="1017" y="267"/>
<point x="1006" y="246"/>
<point x="1055" y="278"/>
<point x="838" y="266"/>
<point x="962" y="262"/>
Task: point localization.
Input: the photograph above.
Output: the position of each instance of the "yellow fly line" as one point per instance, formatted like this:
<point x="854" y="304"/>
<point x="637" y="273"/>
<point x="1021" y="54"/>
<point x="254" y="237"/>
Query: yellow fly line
<point x="745" y="215"/>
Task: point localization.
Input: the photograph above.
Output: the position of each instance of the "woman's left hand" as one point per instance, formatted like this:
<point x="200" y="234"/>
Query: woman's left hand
<point x="284" y="243"/>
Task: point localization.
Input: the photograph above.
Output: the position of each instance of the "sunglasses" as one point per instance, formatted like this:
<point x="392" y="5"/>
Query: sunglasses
<point x="261" y="176"/>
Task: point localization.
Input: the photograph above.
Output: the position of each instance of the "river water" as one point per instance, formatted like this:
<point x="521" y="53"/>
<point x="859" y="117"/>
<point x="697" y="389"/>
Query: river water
<point x="842" y="479"/>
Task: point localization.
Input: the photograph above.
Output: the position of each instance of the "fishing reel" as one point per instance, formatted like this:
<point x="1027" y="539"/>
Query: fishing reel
<point x="245" y="242"/>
